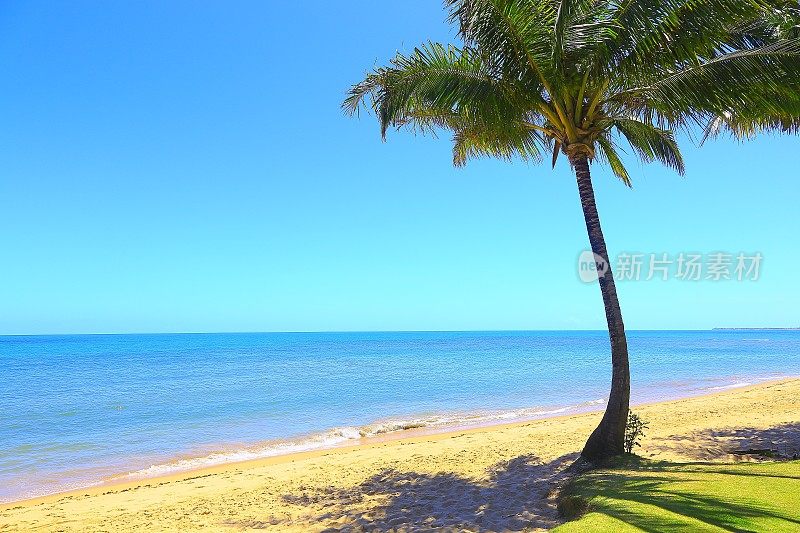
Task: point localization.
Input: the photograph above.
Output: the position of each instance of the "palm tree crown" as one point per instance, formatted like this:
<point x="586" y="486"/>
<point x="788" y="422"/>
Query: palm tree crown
<point x="579" y="76"/>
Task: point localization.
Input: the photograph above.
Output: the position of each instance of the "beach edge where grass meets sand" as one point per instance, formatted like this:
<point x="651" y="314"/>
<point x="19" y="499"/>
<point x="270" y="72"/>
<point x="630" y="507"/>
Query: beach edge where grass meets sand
<point x="409" y="480"/>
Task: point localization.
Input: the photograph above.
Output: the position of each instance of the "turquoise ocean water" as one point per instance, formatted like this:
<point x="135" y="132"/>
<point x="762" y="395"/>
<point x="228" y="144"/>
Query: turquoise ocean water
<point x="77" y="410"/>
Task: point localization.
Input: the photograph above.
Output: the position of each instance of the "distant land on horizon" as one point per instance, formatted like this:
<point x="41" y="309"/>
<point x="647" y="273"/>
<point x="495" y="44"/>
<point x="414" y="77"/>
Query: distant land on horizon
<point x="796" y="328"/>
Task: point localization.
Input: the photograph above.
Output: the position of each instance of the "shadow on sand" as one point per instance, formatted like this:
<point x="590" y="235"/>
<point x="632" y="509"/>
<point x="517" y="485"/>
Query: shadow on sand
<point x="517" y="495"/>
<point x="520" y="494"/>
<point x="779" y="442"/>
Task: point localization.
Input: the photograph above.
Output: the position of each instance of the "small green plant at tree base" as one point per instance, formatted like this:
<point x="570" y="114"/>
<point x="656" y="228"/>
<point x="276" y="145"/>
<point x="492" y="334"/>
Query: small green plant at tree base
<point x="572" y="507"/>
<point x="634" y="431"/>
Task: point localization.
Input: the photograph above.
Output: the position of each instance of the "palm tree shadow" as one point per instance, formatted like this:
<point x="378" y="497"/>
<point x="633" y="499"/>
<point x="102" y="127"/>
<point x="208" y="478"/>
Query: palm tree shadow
<point x="656" y="491"/>
<point x="517" y="494"/>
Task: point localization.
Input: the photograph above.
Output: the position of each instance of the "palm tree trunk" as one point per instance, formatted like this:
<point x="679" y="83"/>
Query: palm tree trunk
<point x="608" y="439"/>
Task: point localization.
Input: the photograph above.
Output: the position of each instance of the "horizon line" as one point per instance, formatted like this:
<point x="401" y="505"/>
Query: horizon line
<point x="301" y="332"/>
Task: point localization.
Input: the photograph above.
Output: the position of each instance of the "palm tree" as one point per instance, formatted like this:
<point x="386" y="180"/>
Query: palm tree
<point x="580" y="77"/>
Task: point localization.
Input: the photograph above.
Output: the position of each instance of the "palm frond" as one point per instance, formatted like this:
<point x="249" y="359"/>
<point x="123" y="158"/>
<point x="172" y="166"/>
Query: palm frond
<point x="745" y="128"/>
<point x="435" y="77"/>
<point x="513" y="140"/>
<point x="651" y="143"/>
<point x="608" y="153"/>
<point x="735" y="79"/>
<point x="654" y="35"/>
<point x="516" y="34"/>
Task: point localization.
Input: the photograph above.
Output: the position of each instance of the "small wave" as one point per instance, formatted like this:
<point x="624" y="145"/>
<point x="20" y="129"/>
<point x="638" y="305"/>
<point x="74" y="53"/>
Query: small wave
<point x="27" y="493"/>
<point x="460" y="420"/>
<point x="328" y="439"/>
<point x="344" y="436"/>
<point x="731" y="386"/>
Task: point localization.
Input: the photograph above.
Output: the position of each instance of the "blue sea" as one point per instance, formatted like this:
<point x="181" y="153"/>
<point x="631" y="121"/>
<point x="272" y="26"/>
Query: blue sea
<point x="79" y="410"/>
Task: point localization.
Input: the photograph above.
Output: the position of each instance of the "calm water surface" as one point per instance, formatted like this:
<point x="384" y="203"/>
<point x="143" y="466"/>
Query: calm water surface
<point x="79" y="409"/>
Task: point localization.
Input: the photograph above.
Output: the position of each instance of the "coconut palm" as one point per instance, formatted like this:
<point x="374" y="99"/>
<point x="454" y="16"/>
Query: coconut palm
<point x="534" y="79"/>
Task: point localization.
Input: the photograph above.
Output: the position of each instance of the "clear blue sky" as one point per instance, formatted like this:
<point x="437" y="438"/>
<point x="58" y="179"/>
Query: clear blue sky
<point x="184" y="166"/>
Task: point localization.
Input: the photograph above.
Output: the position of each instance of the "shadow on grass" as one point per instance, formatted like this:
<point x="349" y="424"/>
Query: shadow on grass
<point x="708" y="467"/>
<point x="516" y="495"/>
<point x="660" y="496"/>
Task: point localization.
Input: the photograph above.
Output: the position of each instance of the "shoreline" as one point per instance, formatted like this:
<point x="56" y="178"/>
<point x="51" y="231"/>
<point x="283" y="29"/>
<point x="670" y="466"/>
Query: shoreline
<point x="398" y="437"/>
<point x="154" y="412"/>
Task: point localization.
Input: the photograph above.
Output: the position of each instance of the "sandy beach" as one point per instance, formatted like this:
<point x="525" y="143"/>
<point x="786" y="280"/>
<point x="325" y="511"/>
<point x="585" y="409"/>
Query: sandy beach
<point x="495" y="478"/>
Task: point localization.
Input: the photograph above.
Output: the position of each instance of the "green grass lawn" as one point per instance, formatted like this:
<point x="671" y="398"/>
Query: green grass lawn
<point x="639" y="495"/>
